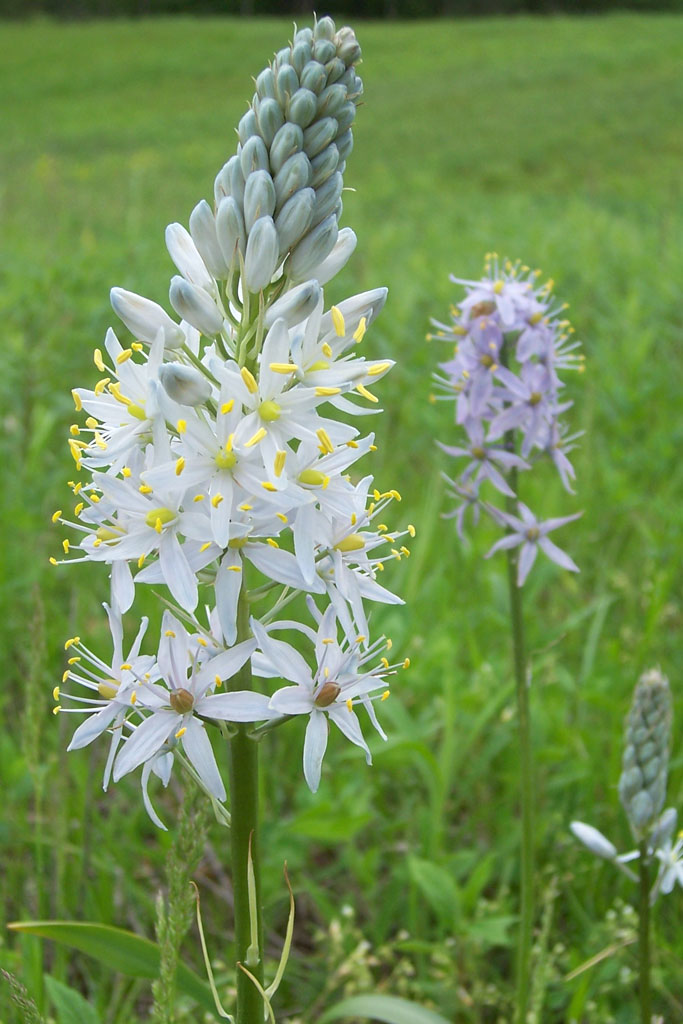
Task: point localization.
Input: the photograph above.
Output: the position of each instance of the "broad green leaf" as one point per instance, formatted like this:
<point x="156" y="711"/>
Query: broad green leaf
<point x="388" y="1009"/>
<point x="119" y="950"/>
<point x="438" y="888"/>
<point x="70" y="1005"/>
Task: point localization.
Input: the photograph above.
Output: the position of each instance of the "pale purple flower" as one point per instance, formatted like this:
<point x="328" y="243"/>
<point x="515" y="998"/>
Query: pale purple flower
<point x="530" y="534"/>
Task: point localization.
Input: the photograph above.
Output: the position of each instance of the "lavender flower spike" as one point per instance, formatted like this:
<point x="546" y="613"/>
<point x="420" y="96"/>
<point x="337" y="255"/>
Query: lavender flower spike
<point x="531" y="534"/>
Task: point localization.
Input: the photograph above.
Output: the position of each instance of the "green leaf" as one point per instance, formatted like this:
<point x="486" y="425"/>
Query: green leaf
<point x="437" y="887"/>
<point x="387" y="1009"/>
<point x="120" y="950"/>
<point x="70" y="1005"/>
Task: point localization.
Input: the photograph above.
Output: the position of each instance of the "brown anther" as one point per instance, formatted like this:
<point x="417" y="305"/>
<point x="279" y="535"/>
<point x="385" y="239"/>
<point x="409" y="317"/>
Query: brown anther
<point x="327" y="695"/>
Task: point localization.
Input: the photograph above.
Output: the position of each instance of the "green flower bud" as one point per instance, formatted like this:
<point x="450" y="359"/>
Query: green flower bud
<point x="319" y="135"/>
<point x="324" y="29"/>
<point x="326" y="198"/>
<point x="324" y="164"/>
<point x="270" y="120"/>
<point x="259" y="198"/>
<point x="642" y="786"/>
<point x="324" y="50"/>
<point x="265" y="84"/>
<point x="301" y="107"/>
<point x="335" y="68"/>
<point x="261" y="259"/>
<point x="344" y="144"/>
<point x="314" y="77"/>
<point x="312" y="250"/>
<point x="294" y="219"/>
<point x="286" y="83"/>
<point x="301" y="55"/>
<point x="288" y="141"/>
<point x="203" y="231"/>
<point x="247" y="127"/>
<point x="184" y="384"/>
<point x="196" y="306"/>
<point x="254" y="156"/>
<point x="294" y="174"/>
<point x="230" y="229"/>
<point x="330" y="100"/>
<point x="295" y="305"/>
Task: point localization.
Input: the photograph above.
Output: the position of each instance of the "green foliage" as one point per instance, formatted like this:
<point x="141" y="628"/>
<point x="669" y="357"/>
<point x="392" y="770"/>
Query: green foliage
<point x="70" y="1005"/>
<point x="550" y="140"/>
<point x="382" y="1008"/>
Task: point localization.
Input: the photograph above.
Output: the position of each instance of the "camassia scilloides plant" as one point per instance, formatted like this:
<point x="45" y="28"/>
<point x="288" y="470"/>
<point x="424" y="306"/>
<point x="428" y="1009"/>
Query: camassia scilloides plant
<point x="218" y="459"/>
<point x="511" y="343"/>
<point x="642" y="790"/>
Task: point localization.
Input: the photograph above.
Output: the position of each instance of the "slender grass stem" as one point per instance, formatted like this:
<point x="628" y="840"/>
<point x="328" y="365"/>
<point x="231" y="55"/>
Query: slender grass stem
<point x="244" y="807"/>
<point x="644" y="936"/>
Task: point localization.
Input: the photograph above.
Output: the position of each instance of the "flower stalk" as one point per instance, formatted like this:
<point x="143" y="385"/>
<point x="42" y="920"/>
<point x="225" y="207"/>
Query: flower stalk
<point x="644" y="935"/>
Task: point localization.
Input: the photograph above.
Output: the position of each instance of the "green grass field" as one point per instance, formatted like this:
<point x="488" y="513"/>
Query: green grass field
<point x="556" y="141"/>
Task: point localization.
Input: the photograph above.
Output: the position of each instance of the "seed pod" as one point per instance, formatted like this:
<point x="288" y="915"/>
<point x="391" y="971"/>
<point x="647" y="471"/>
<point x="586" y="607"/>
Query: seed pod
<point x="247" y="127"/>
<point x="230" y="229"/>
<point x="262" y="254"/>
<point x="324" y="164"/>
<point x="327" y="197"/>
<point x="642" y="786"/>
<point x="286" y="83"/>
<point x="265" y="84"/>
<point x="203" y="231"/>
<point x="288" y="141"/>
<point x="270" y="119"/>
<point x="295" y="305"/>
<point x="301" y="107"/>
<point x="312" y="250"/>
<point x="318" y="135"/>
<point x="145" y="318"/>
<point x="294" y="219"/>
<point x="254" y="156"/>
<point x="196" y="306"/>
<point x="184" y="384"/>
<point x="183" y="252"/>
<point x="293" y="175"/>
<point x="259" y="198"/>
<point x="314" y="77"/>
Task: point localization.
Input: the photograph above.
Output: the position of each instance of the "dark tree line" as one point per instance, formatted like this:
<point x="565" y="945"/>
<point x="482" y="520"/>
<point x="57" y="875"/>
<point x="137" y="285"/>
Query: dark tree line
<point x="73" y="9"/>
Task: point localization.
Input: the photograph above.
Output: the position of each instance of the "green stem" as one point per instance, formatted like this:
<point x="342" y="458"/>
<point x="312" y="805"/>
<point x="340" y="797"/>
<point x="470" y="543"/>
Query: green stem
<point x="525" y="772"/>
<point x="644" y="936"/>
<point x="244" y="807"/>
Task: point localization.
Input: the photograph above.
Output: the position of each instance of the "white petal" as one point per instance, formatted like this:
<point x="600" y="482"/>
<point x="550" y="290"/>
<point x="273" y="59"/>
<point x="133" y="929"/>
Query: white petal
<point x="178" y="576"/>
<point x="146" y="771"/>
<point x="290" y="664"/>
<point x="93" y="726"/>
<point x="148" y="738"/>
<point x="197" y="746"/>
<point x="224" y="665"/>
<point x="292" y="700"/>
<point x="314" y="748"/>
<point x="347" y="722"/>
<point x="595" y="841"/>
<point x="238" y="706"/>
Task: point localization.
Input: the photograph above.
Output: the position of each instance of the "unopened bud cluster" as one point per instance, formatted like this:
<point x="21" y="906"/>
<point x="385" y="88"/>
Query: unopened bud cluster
<point x="642" y="786"/>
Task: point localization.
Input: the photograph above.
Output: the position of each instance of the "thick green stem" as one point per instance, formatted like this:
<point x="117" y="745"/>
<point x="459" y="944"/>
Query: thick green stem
<point x="525" y="777"/>
<point x="244" y="807"/>
<point x="644" y="936"/>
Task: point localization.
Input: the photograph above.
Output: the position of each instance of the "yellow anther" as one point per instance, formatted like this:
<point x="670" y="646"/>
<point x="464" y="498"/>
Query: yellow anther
<point x="55" y="711"/>
<point x="133" y="697"/>
<point x="354" y="519"/>
<point x="101" y="385"/>
<point x="123" y="356"/>
<point x="282" y="517"/>
<point x="199" y="497"/>
<point x="181" y="426"/>
<point x="258" y="436"/>
<point x="283" y="367"/>
<point x="65" y="676"/>
<point x="74" y="430"/>
<point x="205" y="546"/>
<point x="91" y="422"/>
<point x="498" y="287"/>
<point x="98" y="360"/>
<point x="55" y="692"/>
<point x="65" y="546"/>
<point x="73" y="640"/>
<point x="280" y="459"/>
<point x="374" y="371"/>
<point x="56" y="516"/>
<point x="385" y="662"/>
<point x="326" y="350"/>
<point x="327" y="392"/>
<point x="227" y="407"/>
<point x="216" y="500"/>
<point x="217" y="680"/>
<point x="246" y="507"/>
<point x="536" y="318"/>
<point x="77" y="400"/>
<point x="390" y="643"/>
<point x="393" y="493"/>
<point x="359" y="332"/>
<point x="325" y="442"/>
<point x="179" y="466"/>
<point x="361" y="638"/>
<point x="273" y="543"/>
<point x="72" y="661"/>
<point x="77" y="488"/>
<point x="99" y="441"/>
<point x="181" y="732"/>
<point x="52" y="560"/>
<point x="126" y="472"/>
<point x="97" y="543"/>
<point x="115" y="390"/>
<point x="235" y="568"/>
<point x="267" y="486"/>
<point x="352" y="444"/>
<point x="406" y="663"/>
<point x="249" y="380"/>
<point x="338" y="321"/>
<point x="94" y="498"/>
<point x="349" y="704"/>
<point x="353" y="542"/>
<point x="329" y="640"/>
<point x="170" y="633"/>
<point x="201" y="641"/>
<point x="137" y="346"/>
<point x="141" y="561"/>
<point x="411" y="529"/>
<point x="145" y="489"/>
<point x="382" y="527"/>
<point x="362" y="390"/>
<point x="385" y="695"/>
<point x="405" y="551"/>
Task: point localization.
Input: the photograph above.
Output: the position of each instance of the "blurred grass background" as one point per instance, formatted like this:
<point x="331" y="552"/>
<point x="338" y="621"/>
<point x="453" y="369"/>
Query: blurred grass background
<point x="553" y="140"/>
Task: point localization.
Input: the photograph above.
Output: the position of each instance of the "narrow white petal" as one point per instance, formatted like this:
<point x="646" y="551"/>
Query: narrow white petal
<point x="147" y="739"/>
<point x="238" y="706"/>
<point x="314" y="748"/>
<point x="197" y="746"/>
<point x="178" y="576"/>
<point x="292" y="700"/>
